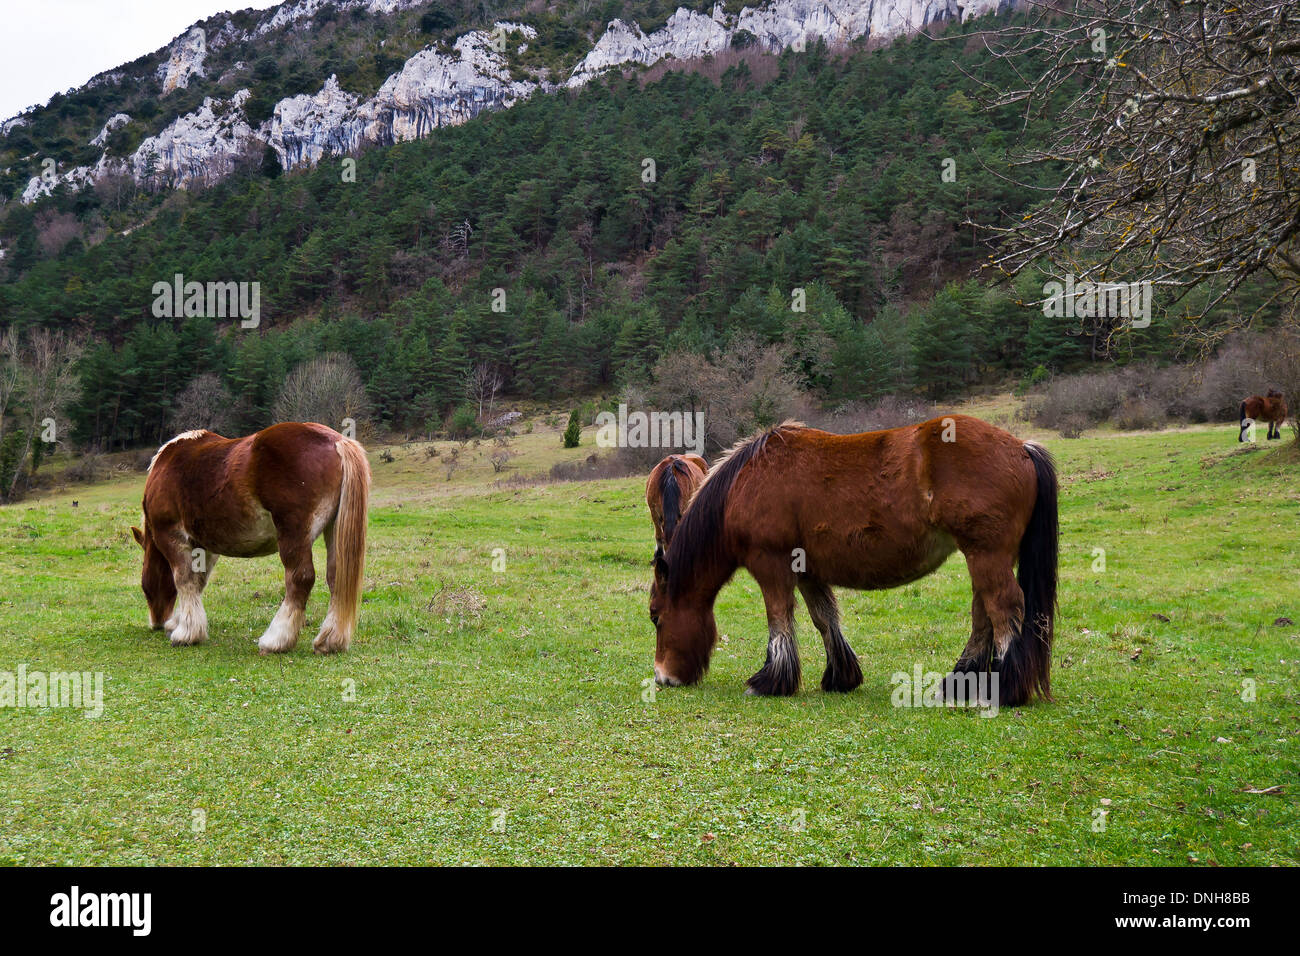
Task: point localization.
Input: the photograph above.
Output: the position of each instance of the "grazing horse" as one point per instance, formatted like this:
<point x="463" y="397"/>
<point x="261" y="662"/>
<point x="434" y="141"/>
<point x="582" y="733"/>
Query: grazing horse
<point x="668" y="490"/>
<point x="798" y="507"/>
<point x="1269" y="408"/>
<point x="278" y="489"/>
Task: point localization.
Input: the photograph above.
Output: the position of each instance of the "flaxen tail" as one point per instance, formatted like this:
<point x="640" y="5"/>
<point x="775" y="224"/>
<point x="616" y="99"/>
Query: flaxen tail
<point x="349" y="548"/>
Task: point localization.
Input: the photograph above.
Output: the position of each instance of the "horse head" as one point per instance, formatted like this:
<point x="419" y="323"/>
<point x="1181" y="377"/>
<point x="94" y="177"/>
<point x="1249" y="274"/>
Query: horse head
<point x="155" y="579"/>
<point x="685" y="631"/>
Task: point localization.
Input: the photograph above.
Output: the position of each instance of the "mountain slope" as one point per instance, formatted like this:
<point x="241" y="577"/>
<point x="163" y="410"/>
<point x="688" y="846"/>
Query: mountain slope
<point x="568" y="242"/>
<point x="314" y="78"/>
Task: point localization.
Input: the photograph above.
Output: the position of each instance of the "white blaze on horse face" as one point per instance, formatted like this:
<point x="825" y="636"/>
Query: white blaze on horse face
<point x="282" y="635"/>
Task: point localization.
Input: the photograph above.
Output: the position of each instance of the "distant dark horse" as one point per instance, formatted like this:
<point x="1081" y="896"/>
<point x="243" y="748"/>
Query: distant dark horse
<point x="276" y="490"/>
<point x="1269" y="408"/>
<point x="804" y="508"/>
<point x="668" y="491"/>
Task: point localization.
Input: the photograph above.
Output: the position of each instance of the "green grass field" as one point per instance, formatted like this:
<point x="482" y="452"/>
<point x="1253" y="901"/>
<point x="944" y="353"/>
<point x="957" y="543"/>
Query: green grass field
<point x="504" y="716"/>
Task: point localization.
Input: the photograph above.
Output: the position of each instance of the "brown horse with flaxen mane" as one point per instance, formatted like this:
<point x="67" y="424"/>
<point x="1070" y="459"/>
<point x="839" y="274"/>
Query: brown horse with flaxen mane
<point x="668" y="491"/>
<point x="1269" y="408"/>
<point x="798" y="507"/>
<point x="276" y="490"/>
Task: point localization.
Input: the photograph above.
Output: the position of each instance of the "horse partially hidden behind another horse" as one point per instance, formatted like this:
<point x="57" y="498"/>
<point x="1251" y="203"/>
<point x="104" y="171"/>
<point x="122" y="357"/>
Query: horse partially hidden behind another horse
<point x="1269" y="408"/>
<point x="278" y="489"/>
<point x="804" y="508"/>
<point x="668" y="490"/>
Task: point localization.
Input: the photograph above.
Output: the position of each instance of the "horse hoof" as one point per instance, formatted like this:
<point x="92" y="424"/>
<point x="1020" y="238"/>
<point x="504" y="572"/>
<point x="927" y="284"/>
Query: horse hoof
<point x="765" y="684"/>
<point x="841" y="683"/>
<point x="330" y="640"/>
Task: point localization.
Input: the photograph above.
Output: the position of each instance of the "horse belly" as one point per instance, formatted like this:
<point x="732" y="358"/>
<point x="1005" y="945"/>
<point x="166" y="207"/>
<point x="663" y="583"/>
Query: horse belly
<point x="251" y="537"/>
<point x="881" y="560"/>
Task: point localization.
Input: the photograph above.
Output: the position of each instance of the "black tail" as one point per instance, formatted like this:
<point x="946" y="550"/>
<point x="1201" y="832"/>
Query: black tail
<point x="1241" y="435"/>
<point x="671" y="495"/>
<point x="1026" y="670"/>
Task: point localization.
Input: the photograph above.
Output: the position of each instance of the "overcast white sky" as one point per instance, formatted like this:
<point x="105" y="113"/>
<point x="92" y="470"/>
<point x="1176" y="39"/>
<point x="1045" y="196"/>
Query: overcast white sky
<point x="48" y="46"/>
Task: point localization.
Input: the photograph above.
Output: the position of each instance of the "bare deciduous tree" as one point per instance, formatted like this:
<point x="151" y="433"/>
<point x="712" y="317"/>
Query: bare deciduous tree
<point x="46" y="382"/>
<point x="745" y="388"/>
<point x="502" y="453"/>
<point x="9" y="372"/>
<point x="482" y="384"/>
<point x="204" y="403"/>
<point x="1179" y="141"/>
<point x="327" y="389"/>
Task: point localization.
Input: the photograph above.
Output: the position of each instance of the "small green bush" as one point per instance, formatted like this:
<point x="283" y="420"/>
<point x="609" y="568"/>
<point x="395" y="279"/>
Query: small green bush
<point x="573" y="433"/>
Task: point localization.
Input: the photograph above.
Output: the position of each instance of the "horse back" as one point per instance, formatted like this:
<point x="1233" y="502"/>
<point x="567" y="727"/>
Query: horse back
<point x="879" y="509"/>
<point x="233" y="496"/>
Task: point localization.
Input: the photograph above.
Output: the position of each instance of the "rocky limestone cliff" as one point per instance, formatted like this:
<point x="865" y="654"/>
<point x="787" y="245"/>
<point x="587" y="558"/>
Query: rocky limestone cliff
<point x="441" y="87"/>
<point x="776" y="26"/>
<point x="432" y="89"/>
<point x="186" y="60"/>
<point x="290" y="13"/>
<point x="199" y="147"/>
<point x="116" y="121"/>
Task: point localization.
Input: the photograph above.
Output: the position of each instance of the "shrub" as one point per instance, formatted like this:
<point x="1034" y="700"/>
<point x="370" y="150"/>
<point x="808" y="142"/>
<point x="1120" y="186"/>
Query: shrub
<point x="88" y="468"/>
<point x="463" y="421"/>
<point x="327" y="390"/>
<point x="573" y="433"/>
<point x="204" y="403"/>
<point x="1140" y="415"/>
<point x="1072" y="426"/>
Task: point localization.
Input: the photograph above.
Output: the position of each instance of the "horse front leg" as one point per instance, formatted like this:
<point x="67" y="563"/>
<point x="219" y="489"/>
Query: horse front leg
<point x="191" y="568"/>
<point x="779" y="675"/>
<point x="299" y="576"/>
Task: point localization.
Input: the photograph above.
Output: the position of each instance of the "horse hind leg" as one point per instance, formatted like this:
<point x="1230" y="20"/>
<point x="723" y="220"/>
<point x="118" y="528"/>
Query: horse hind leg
<point x="299" y="576"/>
<point x="779" y="675"/>
<point x="979" y="648"/>
<point x="993" y="581"/>
<point x="331" y="637"/>
<point x="843" y="673"/>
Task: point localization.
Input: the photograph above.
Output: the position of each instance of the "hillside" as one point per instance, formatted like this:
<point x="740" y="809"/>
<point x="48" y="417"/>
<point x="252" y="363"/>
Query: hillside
<point x="313" y="78"/>
<point x="808" y="208"/>
<point x="813" y="171"/>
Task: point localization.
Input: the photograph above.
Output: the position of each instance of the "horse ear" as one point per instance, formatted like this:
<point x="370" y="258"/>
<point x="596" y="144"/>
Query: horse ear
<point x="139" y="535"/>
<point x="660" y="565"/>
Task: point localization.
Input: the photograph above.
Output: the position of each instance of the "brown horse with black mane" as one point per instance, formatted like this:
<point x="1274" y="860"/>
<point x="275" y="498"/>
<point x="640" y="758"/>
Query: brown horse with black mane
<point x="276" y="490"/>
<point x="798" y="507"/>
<point x="668" y="491"/>
<point x="1269" y="408"/>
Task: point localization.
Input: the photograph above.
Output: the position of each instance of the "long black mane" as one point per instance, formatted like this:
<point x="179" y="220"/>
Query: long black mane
<point x="697" y="542"/>
<point x="670" y="493"/>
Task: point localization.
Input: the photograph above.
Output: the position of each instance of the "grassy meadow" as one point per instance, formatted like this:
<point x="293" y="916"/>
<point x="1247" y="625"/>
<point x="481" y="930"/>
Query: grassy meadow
<point x="506" y="716"/>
